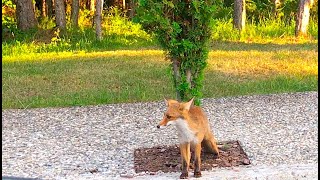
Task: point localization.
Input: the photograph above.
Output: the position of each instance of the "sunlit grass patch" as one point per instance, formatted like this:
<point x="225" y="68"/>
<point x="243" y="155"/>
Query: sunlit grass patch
<point x="255" y="64"/>
<point x="76" y="55"/>
<point x="89" y="78"/>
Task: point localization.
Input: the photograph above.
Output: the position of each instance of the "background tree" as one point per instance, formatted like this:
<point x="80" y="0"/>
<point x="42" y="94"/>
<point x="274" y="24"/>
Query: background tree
<point x="25" y="14"/>
<point x="276" y="7"/>
<point x="124" y="4"/>
<point x="303" y="15"/>
<point x="239" y="15"/>
<point x="132" y="9"/>
<point x="98" y="18"/>
<point x="41" y="5"/>
<point x="49" y="8"/>
<point x="60" y="13"/>
<point x="183" y="29"/>
<point x="75" y="13"/>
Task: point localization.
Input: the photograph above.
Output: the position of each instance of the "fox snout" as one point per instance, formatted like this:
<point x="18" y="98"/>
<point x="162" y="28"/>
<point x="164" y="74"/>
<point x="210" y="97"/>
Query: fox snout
<point x="161" y="126"/>
<point x="162" y="123"/>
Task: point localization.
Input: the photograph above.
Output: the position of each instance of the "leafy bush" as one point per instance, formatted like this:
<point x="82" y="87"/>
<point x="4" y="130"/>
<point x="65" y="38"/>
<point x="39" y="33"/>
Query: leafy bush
<point x="183" y="30"/>
<point x="47" y="23"/>
<point x="116" y="23"/>
<point x="8" y="16"/>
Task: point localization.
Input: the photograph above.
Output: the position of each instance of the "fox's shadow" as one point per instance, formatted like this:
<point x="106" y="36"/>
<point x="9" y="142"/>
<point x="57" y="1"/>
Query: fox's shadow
<point x="167" y="158"/>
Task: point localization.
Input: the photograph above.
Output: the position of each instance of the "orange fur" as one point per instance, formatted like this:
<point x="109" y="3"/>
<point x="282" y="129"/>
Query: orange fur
<point x="193" y="131"/>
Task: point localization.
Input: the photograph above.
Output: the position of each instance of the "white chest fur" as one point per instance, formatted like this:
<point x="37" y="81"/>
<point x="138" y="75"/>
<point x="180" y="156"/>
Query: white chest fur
<point x="185" y="134"/>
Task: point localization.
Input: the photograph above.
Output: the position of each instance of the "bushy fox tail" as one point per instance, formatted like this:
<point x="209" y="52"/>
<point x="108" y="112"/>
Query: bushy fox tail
<point x="209" y="145"/>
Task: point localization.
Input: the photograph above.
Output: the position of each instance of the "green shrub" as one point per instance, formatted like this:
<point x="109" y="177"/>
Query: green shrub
<point x="8" y="16"/>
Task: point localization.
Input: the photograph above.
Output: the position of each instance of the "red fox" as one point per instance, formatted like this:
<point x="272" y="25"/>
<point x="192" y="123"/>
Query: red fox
<point x="193" y="131"/>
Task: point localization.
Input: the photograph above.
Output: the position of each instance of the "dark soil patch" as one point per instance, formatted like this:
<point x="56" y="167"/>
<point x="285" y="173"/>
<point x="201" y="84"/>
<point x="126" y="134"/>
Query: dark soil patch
<point x="167" y="158"/>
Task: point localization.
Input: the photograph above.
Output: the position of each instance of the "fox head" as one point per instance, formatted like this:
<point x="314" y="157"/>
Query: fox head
<point x="175" y="110"/>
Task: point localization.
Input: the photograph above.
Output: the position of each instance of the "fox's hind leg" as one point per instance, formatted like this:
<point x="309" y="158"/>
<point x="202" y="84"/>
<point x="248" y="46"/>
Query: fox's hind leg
<point x="209" y="144"/>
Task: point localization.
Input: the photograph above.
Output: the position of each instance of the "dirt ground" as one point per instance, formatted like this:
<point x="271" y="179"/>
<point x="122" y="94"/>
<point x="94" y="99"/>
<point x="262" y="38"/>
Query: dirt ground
<point x="167" y="158"/>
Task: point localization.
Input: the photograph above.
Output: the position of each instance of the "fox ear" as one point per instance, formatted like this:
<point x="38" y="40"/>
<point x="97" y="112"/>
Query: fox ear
<point x="166" y="101"/>
<point x="188" y="104"/>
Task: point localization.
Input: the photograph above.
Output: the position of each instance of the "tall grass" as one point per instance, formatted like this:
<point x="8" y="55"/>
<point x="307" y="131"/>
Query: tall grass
<point x="119" y="32"/>
<point x="267" y="30"/>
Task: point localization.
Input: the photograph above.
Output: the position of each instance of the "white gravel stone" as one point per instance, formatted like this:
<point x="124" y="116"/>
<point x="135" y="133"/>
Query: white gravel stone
<point x="278" y="132"/>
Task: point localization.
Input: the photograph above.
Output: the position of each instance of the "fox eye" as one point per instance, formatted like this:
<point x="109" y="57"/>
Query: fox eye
<point x="169" y="117"/>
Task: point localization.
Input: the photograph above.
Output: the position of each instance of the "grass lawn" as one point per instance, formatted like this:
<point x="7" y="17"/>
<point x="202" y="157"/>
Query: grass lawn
<point x="89" y="78"/>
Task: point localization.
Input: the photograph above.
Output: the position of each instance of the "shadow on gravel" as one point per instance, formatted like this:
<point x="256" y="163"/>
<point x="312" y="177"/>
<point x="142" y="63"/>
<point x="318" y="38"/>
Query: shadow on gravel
<point x="167" y="158"/>
<point x="17" y="178"/>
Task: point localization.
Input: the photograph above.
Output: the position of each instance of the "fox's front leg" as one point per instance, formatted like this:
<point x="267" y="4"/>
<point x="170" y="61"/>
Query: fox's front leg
<point x="197" y="161"/>
<point x="185" y="159"/>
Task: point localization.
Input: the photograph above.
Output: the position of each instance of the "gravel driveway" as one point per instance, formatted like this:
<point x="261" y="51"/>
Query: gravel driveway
<point x="278" y="132"/>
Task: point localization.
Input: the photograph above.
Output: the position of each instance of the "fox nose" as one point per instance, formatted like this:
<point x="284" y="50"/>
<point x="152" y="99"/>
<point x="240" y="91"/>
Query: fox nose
<point x="158" y="126"/>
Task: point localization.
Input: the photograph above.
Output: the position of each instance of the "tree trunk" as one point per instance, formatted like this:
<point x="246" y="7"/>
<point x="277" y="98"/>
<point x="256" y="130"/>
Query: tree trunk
<point x="25" y="15"/>
<point x="75" y="13"/>
<point x="60" y="14"/>
<point x="132" y="9"/>
<point x="303" y="15"/>
<point x="124" y="4"/>
<point x="276" y="6"/>
<point x="98" y="18"/>
<point x="49" y="8"/>
<point x="239" y="15"/>
<point x="176" y="76"/>
<point x="43" y="8"/>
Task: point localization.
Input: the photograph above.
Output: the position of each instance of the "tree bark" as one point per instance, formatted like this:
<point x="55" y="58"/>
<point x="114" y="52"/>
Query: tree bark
<point x="189" y="76"/>
<point x="98" y="19"/>
<point x="124" y="4"/>
<point x="43" y="8"/>
<point x="49" y="8"/>
<point x="239" y="15"/>
<point x="303" y="15"/>
<point x="75" y="13"/>
<point x="132" y="9"/>
<point x="25" y="14"/>
<point x="176" y="76"/>
<point x="60" y="12"/>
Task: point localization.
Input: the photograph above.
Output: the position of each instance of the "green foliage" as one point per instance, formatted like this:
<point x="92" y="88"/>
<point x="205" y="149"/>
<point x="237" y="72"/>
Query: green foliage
<point x="223" y="30"/>
<point x="257" y="10"/>
<point x="74" y="40"/>
<point x="266" y="30"/>
<point x="115" y="22"/>
<point x="85" y="19"/>
<point x="313" y="28"/>
<point x="8" y="16"/>
<point x="119" y="33"/>
<point x="47" y="23"/>
<point x="183" y="30"/>
<point x="289" y="9"/>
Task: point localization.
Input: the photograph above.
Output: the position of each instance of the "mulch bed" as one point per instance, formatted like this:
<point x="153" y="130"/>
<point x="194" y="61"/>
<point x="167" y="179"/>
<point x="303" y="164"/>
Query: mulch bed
<point x="167" y="158"/>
